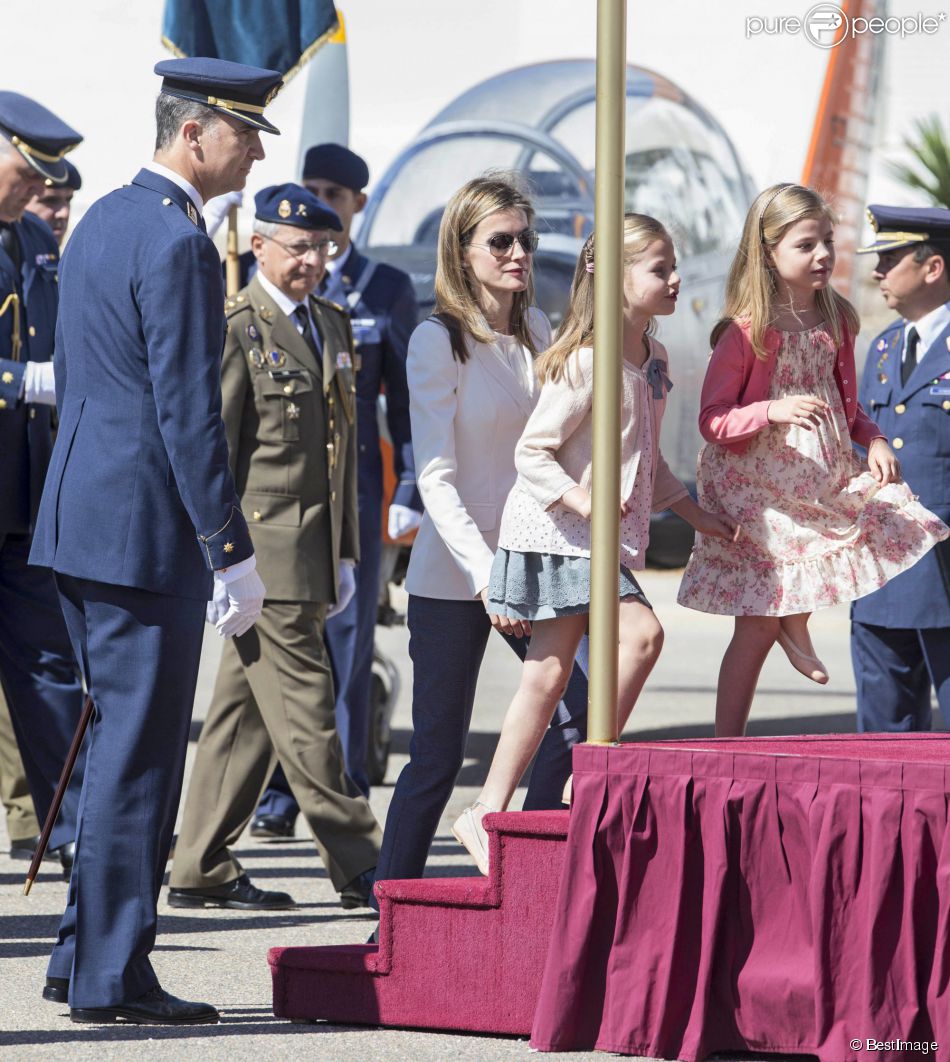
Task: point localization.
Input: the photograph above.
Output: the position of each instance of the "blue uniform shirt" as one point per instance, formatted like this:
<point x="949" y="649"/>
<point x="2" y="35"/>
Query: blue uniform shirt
<point x="383" y="318"/>
<point x="139" y="492"/>
<point x="915" y="417"/>
<point x="25" y="434"/>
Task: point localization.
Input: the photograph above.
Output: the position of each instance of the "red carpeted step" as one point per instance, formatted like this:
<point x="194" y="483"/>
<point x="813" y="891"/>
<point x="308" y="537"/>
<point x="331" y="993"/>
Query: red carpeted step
<point x="454" y="953"/>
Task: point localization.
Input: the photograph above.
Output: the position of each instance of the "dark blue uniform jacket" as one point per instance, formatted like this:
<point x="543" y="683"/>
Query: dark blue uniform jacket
<point x="139" y="492"/>
<point x="915" y="417"/>
<point x="25" y="435"/>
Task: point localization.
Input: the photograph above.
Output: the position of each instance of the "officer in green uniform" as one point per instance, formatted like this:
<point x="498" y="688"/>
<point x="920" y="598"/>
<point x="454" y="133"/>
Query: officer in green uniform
<point x="289" y="409"/>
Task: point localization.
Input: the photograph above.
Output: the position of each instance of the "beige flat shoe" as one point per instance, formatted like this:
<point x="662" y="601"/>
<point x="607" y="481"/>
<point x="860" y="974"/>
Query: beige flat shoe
<point x="810" y="666"/>
<point x="469" y="832"/>
<point x="568" y="792"/>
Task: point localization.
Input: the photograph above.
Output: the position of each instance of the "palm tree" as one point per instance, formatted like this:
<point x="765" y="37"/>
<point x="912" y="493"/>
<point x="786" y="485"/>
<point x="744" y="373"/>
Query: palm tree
<point x="930" y="149"/>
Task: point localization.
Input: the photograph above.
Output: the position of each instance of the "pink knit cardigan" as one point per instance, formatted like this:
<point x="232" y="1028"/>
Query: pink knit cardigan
<point x="734" y="403"/>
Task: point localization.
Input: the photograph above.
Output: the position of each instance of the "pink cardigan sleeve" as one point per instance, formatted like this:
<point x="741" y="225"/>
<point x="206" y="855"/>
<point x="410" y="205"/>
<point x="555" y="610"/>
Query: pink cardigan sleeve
<point x="864" y="430"/>
<point x="722" y="416"/>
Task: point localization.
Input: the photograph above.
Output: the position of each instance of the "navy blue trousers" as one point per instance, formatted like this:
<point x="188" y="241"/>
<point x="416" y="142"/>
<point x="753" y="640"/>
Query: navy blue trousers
<point x="446" y="644"/>
<point x="894" y="671"/>
<point x="41" y="681"/>
<point x="139" y="654"/>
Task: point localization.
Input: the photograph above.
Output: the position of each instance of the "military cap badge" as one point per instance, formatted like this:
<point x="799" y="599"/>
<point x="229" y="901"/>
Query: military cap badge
<point x="284" y="208"/>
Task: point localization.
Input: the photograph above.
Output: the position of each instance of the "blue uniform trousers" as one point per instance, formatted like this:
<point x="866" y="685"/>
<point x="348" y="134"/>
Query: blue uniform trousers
<point x="349" y="638"/>
<point x="41" y="680"/>
<point x="139" y="653"/>
<point x="895" y="669"/>
<point x="447" y="643"/>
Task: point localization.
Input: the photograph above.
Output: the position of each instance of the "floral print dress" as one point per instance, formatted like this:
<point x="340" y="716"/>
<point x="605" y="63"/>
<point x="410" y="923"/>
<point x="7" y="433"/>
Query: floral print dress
<point x="817" y="528"/>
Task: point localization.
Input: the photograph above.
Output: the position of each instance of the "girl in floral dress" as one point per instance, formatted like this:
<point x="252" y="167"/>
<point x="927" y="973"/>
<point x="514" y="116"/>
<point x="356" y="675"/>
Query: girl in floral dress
<point x="779" y="413"/>
<point x="541" y="573"/>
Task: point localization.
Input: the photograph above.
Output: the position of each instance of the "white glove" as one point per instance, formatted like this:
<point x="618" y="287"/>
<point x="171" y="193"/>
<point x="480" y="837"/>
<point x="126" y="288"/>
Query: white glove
<point x="346" y="588"/>
<point x="245" y="601"/>
<point x="39" y="383"/>
<point x="402" y="520"/>
<point x="217" y="209"/>
<point x="217" y="607"/>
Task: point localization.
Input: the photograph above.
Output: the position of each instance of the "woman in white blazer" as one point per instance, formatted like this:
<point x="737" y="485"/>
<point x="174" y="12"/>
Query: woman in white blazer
<point x="471" y="390"/>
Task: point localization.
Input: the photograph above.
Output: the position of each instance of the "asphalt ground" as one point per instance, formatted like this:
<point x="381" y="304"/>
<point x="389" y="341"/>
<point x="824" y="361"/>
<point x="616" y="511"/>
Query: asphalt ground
<point x="220" y="956"/>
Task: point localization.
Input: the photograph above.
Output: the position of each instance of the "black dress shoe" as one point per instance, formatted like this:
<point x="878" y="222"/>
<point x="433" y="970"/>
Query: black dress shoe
<point x="56" y="990"/>
<point x="357" y="892"/>
<point x="156" y="1007"/>
<point x="24" y="848"/>
<point x="273" y="827"/>
<point x="66" y="854"/>
<point x="239" y="894"/>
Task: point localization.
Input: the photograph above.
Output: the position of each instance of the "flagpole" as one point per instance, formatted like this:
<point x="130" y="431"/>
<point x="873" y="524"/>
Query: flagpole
<point x="232" y="267"/>
<point x="608" y="372"/>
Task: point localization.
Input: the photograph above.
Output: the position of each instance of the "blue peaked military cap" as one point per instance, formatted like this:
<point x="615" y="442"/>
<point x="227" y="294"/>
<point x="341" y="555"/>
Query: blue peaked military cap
<point x="73" y="179"/>
<point x="231" y="88"/>
<point x="40" y="137"/>
<point x="290" y="204"/>
<point x="896" y="227"/>
<point x="334" y="162"/>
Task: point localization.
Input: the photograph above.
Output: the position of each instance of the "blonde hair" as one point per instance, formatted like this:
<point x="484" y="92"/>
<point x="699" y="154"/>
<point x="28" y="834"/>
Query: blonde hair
<point x="456" y="306"/>
<point x="577" y="328"/>
<point x="751" y="286"/>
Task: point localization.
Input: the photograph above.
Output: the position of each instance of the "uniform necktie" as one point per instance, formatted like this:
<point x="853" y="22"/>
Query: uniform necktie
<point x="10" y="244"/>
<point x="910" y="355"/>
<point x="302" y="317"/>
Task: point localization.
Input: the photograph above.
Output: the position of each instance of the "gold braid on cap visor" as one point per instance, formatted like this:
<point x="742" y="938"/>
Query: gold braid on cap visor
<point x="29" y="149"/>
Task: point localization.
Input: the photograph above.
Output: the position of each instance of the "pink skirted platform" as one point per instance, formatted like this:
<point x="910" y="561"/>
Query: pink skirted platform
<point x="787" y="895"/>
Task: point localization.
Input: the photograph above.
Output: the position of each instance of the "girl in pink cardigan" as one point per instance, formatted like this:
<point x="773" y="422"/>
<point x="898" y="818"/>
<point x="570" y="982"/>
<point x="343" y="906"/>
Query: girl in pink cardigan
<point x="779" y="413"/>
<point x="540" y="579"/>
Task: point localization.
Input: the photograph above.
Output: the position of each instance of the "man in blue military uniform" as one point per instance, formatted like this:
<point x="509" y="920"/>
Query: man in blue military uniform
<point x="54" y="203"/>
<point x="900" y="635"/>
<point x="140" y="520"/>
<point x="51" y="205"/>
<point x="37" y="666"/>
<point x="383" y="312"/>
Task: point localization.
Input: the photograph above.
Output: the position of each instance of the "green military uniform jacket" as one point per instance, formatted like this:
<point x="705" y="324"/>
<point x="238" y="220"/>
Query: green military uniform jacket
<point x="290" y="422"/>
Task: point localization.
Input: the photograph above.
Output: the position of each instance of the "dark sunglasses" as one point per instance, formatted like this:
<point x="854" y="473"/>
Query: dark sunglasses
<point x="501" y="243"/>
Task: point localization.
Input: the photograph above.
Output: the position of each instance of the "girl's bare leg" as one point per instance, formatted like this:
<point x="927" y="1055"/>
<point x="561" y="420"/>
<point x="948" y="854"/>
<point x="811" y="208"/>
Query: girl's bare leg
<point x="547" y="668"/>
<point x="641" y="639"/>
<point x="751" y="641"/>
<point x="796" y="641"/>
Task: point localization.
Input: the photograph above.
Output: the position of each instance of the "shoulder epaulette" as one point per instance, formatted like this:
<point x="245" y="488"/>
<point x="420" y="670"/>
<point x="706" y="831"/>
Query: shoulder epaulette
<point x="235" y="303"/>
<point x="330" y="303"/>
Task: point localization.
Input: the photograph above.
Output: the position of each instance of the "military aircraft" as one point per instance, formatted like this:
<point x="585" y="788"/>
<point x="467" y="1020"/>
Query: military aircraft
<point x="538" y="120"/>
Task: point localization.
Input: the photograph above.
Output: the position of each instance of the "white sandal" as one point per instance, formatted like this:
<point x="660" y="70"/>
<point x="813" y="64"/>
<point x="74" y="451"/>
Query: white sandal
<point x="469" y="832"/>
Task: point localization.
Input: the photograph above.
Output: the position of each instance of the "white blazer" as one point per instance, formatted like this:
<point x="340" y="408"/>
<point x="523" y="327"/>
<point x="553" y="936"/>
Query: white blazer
<point x="466" y="421"/>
